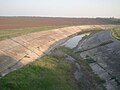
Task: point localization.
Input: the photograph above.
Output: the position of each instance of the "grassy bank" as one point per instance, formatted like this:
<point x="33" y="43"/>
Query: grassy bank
<point x="47" y="73"/>
<point x="116" y="33"/>
<point x="6" y="34"/>
<point x="52" y="72"/>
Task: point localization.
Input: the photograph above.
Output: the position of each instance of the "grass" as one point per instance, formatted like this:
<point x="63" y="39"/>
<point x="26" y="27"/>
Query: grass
<point x="86" y="69"/>
<point x="51" y="72"/>
<point x="43" y="74"/>
<point x="9" y="33"/>
<point x="116" y="33"/>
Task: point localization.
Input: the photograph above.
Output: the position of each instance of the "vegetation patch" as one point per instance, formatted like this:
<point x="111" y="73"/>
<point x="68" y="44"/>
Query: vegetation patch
<point x="116" y="33"/>
<point x="96" y="82"/>
<point x="52" y="72"/>
<point x="9" y="33"/>
<point x="94" y="30"/>
<point x="44" y="74"/>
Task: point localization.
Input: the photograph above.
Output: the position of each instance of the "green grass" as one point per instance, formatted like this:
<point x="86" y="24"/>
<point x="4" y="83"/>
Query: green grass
<point x="43" y="74"/>
<point x="116" y="33"/>
<point x="51" y="72"/>
<point x="93" y="78"/>
<point x="8" y="33"/>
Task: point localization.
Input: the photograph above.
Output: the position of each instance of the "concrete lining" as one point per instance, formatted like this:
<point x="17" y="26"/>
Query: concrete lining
<point x="19" y="51"/>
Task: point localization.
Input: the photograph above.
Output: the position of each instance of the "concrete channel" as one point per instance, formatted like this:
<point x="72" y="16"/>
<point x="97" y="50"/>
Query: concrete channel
<point x="19" y="51"/>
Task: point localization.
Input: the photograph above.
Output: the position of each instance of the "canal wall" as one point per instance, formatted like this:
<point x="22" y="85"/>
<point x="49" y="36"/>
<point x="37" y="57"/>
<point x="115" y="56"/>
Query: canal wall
<point x="19" y="51"/>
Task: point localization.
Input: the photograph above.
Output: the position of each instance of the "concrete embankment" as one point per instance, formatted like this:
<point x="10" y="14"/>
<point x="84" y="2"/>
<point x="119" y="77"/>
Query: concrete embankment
<point x="19" y="51"/>
<point x="102" y="51"/>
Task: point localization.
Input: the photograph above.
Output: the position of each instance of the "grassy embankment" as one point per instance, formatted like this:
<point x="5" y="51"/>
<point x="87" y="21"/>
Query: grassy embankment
<point x="43" y="74"/>
<point x="116" y="33"/>
<point x="49" y="73"/>
<point x="8" y="33"/>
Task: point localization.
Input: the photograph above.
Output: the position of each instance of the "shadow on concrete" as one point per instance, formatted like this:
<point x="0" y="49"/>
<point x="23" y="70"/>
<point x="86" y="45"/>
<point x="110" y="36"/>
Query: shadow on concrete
<point x="8" y="64"/>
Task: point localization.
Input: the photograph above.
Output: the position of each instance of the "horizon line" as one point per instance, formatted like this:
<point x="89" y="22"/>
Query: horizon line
<point x="55" y="16"/>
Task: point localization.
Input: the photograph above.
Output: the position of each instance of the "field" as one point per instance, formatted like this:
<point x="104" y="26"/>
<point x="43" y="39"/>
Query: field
<point x="6" y="34"/>
<point x="23" y="22"/>
<point x="16" y="26"/>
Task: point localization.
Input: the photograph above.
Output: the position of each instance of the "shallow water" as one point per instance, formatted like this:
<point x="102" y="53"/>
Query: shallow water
<point x="72" y="42"/>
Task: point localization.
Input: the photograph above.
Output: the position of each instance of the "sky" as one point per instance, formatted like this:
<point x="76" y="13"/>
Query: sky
<point x="60" y="8"/>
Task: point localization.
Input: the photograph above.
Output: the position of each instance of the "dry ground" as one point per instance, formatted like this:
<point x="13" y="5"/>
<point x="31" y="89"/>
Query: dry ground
<point x="22" y="22"/>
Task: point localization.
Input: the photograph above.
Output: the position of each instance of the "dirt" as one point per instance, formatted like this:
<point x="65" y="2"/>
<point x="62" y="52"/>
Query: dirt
<point x="21" y="22"/>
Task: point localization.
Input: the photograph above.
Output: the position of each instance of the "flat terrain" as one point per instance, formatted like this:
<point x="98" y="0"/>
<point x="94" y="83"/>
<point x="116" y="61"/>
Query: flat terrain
<point x="9" y="33"/>
<point x="16" y="26"/>
<point x="22" y="22"/>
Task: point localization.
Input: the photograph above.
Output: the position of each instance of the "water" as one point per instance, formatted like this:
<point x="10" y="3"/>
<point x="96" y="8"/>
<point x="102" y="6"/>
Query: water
<point x="72" y="42"/>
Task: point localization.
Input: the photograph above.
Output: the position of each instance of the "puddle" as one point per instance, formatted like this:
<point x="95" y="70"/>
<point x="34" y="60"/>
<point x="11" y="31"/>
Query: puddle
<point x="72" y="42"/>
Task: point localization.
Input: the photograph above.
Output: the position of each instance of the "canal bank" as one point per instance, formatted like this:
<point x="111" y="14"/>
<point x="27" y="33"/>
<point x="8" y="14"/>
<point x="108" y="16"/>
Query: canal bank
<point x="77" y="70"/>
<point x="19" y="51"/>
<point x="103" y="57"/>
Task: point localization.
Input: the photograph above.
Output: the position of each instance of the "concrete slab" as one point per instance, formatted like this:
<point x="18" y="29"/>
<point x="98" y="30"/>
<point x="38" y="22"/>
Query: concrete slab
<point x="7" y="44"/>
<point x="19" y="51"/>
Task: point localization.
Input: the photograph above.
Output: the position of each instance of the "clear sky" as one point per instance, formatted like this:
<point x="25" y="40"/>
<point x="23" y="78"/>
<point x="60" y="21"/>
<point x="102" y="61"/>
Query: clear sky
<point x="60" y="8"/>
